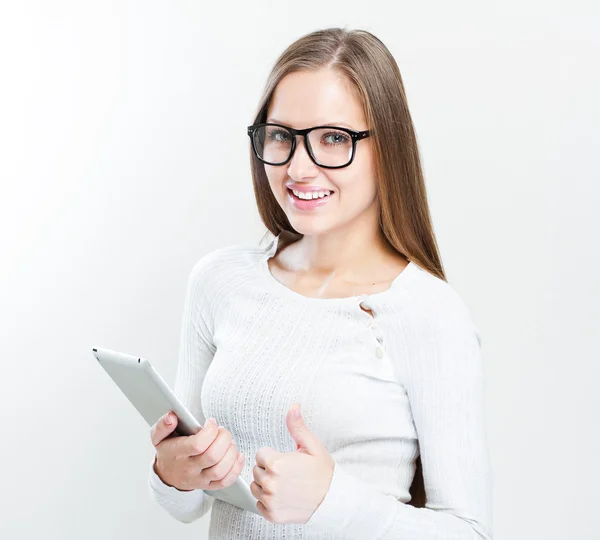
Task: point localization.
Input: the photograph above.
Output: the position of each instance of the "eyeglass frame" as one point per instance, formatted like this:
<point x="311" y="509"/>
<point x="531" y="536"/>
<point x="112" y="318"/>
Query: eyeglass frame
<point x="354" y="135"/>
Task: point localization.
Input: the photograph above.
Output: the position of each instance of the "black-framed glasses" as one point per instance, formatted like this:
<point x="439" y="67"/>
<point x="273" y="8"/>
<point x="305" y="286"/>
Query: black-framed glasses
<point x="331" y="147"/>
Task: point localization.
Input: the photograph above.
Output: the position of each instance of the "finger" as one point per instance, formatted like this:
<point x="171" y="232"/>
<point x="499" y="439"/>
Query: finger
<point x="257" y="491"/>
<point x="217" y="450"/>
<point x="200" y="442"/>
<point x="260" y="476"/>
<point x="220" y="470"/>
<point x="161" y="429"/>
<point x="266" y="457"/>
<point x="232" y="475"/>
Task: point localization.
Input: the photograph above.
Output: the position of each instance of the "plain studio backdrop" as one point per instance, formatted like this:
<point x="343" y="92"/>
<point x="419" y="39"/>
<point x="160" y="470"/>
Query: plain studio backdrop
<point x="124" y="158"/>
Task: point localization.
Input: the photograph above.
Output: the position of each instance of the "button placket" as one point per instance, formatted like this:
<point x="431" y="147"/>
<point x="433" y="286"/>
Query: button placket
<point x="379" y="350"/>
<point x="372" y="325"/>
<point x="377" y="333"/>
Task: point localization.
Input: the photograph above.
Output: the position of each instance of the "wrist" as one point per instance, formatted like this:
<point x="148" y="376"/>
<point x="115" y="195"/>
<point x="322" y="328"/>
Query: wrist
<point x="156" y="468"/>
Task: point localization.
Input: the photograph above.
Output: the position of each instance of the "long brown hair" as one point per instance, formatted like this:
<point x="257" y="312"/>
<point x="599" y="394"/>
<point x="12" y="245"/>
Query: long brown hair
<point x="369" y="66"/>
<point x="375" y="78"/>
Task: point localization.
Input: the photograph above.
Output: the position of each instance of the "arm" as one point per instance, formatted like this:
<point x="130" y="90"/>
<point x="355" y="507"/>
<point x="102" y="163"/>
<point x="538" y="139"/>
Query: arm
<point x="196" y="352"/>
<point x="443" y="377"/>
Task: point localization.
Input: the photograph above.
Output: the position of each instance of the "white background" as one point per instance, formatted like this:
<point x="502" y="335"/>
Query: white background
<point x="113" y="185"/>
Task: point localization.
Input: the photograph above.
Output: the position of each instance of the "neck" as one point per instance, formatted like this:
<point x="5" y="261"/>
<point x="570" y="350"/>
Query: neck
<point x="347" y="254"/>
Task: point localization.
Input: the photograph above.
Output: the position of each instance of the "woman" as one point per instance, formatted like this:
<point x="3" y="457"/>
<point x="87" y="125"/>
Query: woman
<point x="346" y="312"/>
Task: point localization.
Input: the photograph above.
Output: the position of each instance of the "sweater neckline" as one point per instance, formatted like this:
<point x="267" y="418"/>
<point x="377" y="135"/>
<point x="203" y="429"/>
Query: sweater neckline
<point x="401" y="279"/>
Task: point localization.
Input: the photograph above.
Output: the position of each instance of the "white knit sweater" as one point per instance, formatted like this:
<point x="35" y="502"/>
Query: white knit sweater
<point x="376" y="390"/>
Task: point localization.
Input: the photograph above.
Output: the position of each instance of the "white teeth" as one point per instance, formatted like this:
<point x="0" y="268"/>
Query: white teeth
<point x="311" y="194"/>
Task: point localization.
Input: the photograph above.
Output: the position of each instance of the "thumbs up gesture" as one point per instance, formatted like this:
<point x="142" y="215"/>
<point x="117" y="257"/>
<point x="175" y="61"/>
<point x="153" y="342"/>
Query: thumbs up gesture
<point x="290" y="486"/>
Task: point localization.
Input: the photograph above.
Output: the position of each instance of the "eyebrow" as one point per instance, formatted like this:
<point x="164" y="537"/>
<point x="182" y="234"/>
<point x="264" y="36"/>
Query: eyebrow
<point x="275" y="121"/>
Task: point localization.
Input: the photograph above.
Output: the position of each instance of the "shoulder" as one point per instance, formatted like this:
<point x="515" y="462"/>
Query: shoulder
<point x="437" y="309"/>
<point x="223" y="264"/>
<point x="438" y="296"/>
<point x="217" y="274"/>
<point x="435" y="337"/>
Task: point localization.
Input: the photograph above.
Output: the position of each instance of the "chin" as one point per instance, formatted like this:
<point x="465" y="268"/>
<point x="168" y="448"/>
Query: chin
<point x="308" y="226"/>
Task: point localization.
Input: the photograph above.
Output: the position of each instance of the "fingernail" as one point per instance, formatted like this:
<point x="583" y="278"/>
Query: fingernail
<point x="169" y="419"/>
<point x="213" y="421"/>
<point x="241" y="457"/>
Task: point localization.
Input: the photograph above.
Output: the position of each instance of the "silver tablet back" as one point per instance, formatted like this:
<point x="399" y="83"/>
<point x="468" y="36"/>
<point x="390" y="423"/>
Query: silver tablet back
<point x="152" y="397"/>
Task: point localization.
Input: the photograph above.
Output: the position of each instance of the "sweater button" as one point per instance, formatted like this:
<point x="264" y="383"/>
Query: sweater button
<point x="379" y="352"/>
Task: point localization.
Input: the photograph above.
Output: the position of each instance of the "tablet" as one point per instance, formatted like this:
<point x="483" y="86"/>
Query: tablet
<point x="152" y="397"/>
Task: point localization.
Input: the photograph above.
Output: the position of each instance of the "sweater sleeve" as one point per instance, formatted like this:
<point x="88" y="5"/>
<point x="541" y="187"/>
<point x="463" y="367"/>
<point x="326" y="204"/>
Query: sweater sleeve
<point x="443" y="376"/>
<point x="196" y="351"/>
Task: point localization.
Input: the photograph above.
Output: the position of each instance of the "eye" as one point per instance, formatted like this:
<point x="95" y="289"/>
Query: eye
<point x="279" y="135"/>
<point x="335" y="138"/>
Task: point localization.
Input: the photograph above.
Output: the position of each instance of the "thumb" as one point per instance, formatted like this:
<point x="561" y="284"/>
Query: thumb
<point x="306" y="440"/>
<point x="162" y="429"/>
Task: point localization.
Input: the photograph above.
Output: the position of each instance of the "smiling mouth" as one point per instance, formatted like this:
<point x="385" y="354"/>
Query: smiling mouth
<point x="327" y="193"/>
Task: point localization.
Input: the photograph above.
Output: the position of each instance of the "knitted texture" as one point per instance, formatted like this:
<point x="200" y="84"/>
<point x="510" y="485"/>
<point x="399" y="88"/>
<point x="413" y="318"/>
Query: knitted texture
<point x="379" y="390"/>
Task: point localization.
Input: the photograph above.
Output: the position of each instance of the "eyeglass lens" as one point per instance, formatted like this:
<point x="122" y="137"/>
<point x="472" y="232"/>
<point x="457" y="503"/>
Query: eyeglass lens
<point x="330" y="147"/>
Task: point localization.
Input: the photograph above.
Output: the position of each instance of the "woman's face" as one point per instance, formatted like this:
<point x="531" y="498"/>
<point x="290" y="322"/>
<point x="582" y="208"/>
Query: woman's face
<point x="305" y="99"/>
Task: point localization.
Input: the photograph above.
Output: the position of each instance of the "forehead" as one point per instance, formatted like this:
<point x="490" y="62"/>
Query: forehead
<point x="310" y="98"/>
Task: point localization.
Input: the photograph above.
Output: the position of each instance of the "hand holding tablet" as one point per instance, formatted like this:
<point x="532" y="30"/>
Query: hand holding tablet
<point x="189" y="456"/>
<point x="207" y="460"/>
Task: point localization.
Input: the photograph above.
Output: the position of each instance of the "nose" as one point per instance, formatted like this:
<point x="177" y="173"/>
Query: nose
<point x="300" y="164"/>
